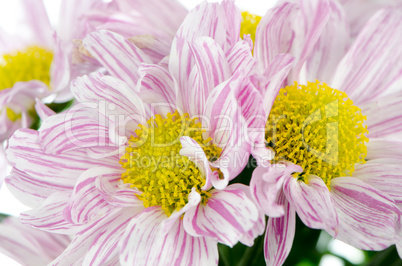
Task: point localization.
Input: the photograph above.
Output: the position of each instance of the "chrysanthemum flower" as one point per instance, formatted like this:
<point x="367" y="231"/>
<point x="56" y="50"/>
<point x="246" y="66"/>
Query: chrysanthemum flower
<point x="29" y="246"/>
<point x="337" y="155"/>
<point x="138" y="170"/>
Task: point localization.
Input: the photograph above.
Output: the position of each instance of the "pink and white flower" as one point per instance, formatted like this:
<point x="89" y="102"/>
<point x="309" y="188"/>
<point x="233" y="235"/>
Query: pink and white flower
<point x="363" y="209"/>
<point x="69" y="172"/>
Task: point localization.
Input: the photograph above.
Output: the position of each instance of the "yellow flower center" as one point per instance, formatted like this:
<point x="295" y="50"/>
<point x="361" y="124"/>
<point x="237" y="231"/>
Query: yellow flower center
<point x="155" y="167"/>
<point x="318" y="128"/>
<point x="33" y="63"/>
<point x="249" y="24"/>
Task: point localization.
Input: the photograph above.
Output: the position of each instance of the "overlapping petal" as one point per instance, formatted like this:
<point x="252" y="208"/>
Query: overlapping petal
<point x="227" y="216"/>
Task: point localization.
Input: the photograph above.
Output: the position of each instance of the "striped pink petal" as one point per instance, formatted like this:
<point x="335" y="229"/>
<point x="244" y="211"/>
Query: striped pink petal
<point x="279" y="234"/>
<point x="36" y="17"/>
<point x="29" y="246"/>
<point x="278" y="29"/>
<point x="145" y="243"/>
<point x="119" y="56"/>
<point x="331" y="46"/>
<point x="30" y="190"/>
<point x="378" y="149"/>
<point x="157" y="88"/>
<point x="384" y="116"/>
<point x="60" y="71"/>
<point x="165" y="16"/>
<point x="228" y="215"/>
<point x="368" y="218"/>
<point x="312" y="202"/>
<point x="225" y="126"/>
<point x="266" y="185"/>
<point x="114" y="191"/>
<point x="86" y="202"/>
<point x="97" y="244"/>
<point x="76" y="129"/>
<point x="116" y="95"/>
<point x="211" y="69"/>
<point x="273" y="77"/>
<point x="384" y="177"/>
<point x="373" y="61"/>
<point x="42" y="110"/>
<point x="220" y="22"/>
<point x="49" y="215"/>
<point x="240" y="57"/>
<point x="259" y="227"/>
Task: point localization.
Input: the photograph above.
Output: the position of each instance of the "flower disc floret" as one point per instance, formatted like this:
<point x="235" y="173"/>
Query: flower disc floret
<point x="155" y="167"/>
<point x="318" y="128"/>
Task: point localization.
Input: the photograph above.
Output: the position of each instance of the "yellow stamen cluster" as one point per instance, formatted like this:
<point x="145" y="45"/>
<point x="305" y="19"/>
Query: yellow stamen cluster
<point x="249" y="24"/>
<point x="155" y="167"/>
<point x="32" y="63"/>
<point x="318" y="128"/>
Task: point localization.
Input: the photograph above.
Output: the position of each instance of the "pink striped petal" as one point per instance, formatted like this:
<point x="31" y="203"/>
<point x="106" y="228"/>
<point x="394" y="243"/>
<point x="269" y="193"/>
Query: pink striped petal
<point x="312" y="202"/>
<point x="41" y="166"/>
<point x="158" y="14"/>
<point x="30" y="246"/>
<point x="32" y="191"/>
<point x="330" y="47"/>
<point x="379" y="149"/>
<point x="228" y="215"/>
<point x="278" y="28"/>
<point x="274" y="34"/>
<point x="97" y="244"/>
<point x="373" y="61"/>
<point x="42" y="110"/>
<point x="384" y="177"/>
<point x="145" y="243"/>
<point x="240" y="57"/>
<point x="76" y="129"/>
<point x="266" y="185"/>
<point x="279" y="234"/>
<point x="49" y="215"/>
<point x="250" y="101"/>
<point x="220" y="22"/>
<point x="36" y="17"/>
<point x="358" y="12"/>
<point x="384" y="116"/>
<point x="192" y="150"/>
<point x="86" y="202"/>
<point x="368" y="218"/>
<point x="225" y="127"/>
<point x="273" y="77"/>
<point x="60" y="71"/>
<point x="212" y="69"/>
<point x="115" y="192"/>
<point x="3" y="166"/>
<point x="98" y="87"/>
<point x="259" y="227"/>
<point x="119" y="56"/>
<point x="157" y="88"/>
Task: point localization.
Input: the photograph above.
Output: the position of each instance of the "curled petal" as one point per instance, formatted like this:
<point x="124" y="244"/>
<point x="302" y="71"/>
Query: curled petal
<point x="227" y="216"/>
<point x="279" y="235"/>
<point x="266" y="185"/>
<point x="312" y="202"/>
